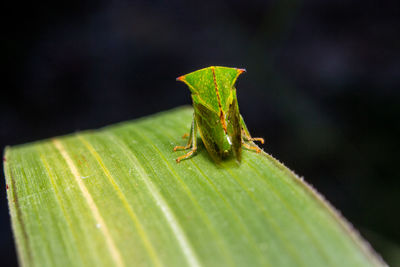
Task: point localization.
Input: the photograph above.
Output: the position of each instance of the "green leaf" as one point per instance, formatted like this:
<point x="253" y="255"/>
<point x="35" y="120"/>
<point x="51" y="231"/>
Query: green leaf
<point x="116" y="197"/>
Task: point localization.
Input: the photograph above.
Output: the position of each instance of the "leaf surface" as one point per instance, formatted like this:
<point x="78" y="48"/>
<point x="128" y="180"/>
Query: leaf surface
<point x="116" y="197"/>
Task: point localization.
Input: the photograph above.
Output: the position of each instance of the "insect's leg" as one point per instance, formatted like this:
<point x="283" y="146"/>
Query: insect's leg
<point x="189" y="143"/>
<point x="246" y="134"/>
<point x="250" y="147"/>
<point x="247" y="137"/>
<point x="192" y="140"/>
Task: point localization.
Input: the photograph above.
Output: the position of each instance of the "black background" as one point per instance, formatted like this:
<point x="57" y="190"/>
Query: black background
<point x="322" y="84"/>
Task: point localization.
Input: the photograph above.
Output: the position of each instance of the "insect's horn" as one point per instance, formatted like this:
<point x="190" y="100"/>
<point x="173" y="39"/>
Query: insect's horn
<point x="241" y="70"/>
<point x="180" y="78"/>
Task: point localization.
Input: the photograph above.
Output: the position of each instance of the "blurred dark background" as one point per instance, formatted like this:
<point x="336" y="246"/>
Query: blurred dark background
<point x="322" y="85"/>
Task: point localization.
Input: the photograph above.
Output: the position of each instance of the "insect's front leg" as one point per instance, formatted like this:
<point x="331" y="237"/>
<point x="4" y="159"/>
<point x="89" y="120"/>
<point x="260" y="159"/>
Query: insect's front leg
<point x="189" y="143"/>
<point x="192" y="142"/>
<point x="247" y="137"/>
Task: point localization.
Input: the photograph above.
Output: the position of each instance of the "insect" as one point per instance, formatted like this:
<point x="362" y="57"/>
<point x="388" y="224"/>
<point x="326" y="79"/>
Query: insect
<point x="216" y="114"/>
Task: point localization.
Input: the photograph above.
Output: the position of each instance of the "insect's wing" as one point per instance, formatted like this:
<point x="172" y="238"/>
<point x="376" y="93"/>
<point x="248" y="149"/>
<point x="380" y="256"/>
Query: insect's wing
<point x="210" y="130"/>
<point x="234" y="129"/>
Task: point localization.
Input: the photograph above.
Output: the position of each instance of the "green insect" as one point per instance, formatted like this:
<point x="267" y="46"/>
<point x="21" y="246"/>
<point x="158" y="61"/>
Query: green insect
<point x="216" y="114"/>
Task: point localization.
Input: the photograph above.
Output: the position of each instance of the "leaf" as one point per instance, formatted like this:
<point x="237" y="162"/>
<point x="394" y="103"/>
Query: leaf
<point x="116" y="197"/>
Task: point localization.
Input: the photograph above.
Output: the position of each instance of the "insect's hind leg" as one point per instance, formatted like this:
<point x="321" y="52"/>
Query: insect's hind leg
<point x="192" y="143"/>
<point x="246" y="134"/>
<point x="247" y="137"/>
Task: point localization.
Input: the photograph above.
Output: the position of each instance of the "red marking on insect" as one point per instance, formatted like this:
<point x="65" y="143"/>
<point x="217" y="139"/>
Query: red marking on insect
<point x="7" y="186"/>
<point x="181" y="78"/>
<point x="4" y="159"/>
<point x="223" y="122"/>
<point x="221" y="113"/>
<point x="241" y="70"/>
